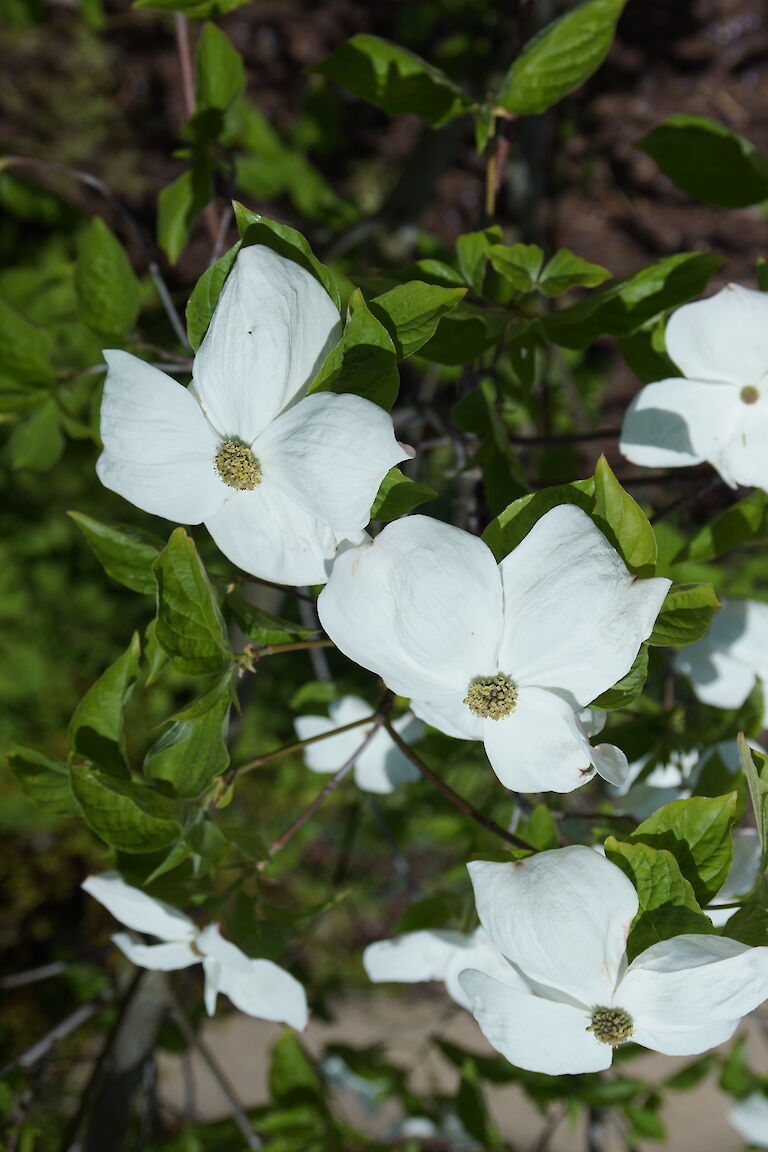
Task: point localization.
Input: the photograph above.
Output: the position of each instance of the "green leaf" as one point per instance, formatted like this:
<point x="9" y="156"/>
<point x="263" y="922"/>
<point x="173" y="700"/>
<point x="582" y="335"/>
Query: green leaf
<point x="513" y="524"/>
<point x="43" y="781"/>
<point x="754" y="765"/>
<point x="126" y="554"/>
<point x="685" y="616"/>
<point x="464" y="334"/>
<point x="709" y="161"/>
<point x="623" y="306"/>
<point x="472" y="252"/>
<point x="127" y="816"/>
<point x="733" y="527"/>
<point x="263" y="627"/>
<point x="97" y="728"/>
<point x="411" y="312"/>
<point x="472" y="1109"/>
<point x="108" y="292"/>
<point x="624" y="522"/>
<point x="220" y="70"/>
<point x="37" y="442"/>
<point x="519" y="264"/>
<point x="628" y="688"/>
<point x="193" y="749"/>
<point x="179" y="205"/>
<point x="292" y="1076"/>
<point x="565" y="271"/>
<point x="24" y="349"/>
<point x="436" y="911"/>
<point x="398" y="495"/>
<point x="257" y="229"/>
<point x="697" y="831"/>
<point x="190" y="626"/>
<point x="364" y="362"/>
<point x="394" y="79"/>
<point x="749" y="924"/>
<point x="560" y="57"/>
<point x="205" y="296"/>
<point x="667" y="904"/>
<point x="197" y="9"/>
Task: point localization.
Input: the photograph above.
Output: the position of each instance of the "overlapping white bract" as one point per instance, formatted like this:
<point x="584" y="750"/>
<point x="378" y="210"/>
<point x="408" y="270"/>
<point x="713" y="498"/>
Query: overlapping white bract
<point x="320" y="458"/>
<point x="427" y="607"/>
<point x="562" y="918"/>
<point x="717" y="410"/>
<point x="381" y="766"/>
<point x="724" y="664"/>
<point x="257" y="987"/>
<point x="750" y="1119"/>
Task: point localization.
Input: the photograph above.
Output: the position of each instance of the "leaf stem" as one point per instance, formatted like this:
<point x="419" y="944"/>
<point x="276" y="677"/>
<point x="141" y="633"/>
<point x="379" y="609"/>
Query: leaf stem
<point x="286" y="750"/>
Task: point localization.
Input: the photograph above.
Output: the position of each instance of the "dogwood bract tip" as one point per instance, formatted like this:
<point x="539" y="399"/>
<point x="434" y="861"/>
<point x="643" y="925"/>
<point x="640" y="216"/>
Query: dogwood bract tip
<point x="278" y="477"/>
<point x="718" y="409"/>
<point x="505" y="653"/>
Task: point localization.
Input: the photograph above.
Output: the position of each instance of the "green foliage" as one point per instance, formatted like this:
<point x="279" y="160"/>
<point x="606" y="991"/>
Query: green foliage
<point x="472" y="251"/>
<point x="685" y="615"/>
<point x="263" y="627"/>
<point x="472" y="1110"/>
<point x="127" y="554"/>
<point x="126" y="815"/>
<point x="190" y="626"/>
<point x="735" y="526"/>
<point x="97" y="729"/>
<point x="43" y="781"/>
<point x="697" y="832"/>
<point x="411" y="313"/>
<point x="560" y="58"/>
<point x="364" y="362"/>
<point x="220" y="71"/>
<point x="179" y="205"/>
<point x="519" y="264"/>
<point x="565" y="271"/>
<point x="754" y="765"/>
<point x="398" y="495"/>
<point x="196" y="9"/>
<point x="205" y="296"/>
<point x="709" y="161"/>
<point x="286" y="241"/>
<point x="108" y="292"/>
<point x="193" y="749"/>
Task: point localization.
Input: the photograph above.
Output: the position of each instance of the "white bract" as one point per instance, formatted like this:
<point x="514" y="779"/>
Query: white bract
<point x="750" y="1119"/>
<point x="562" y="918"/>
<point x="744" y="871"/>
<point x="439" y="954"/>
<point x="718" y="409"/>
<point x="381" y="766"/>
<point x="257" y="987"/>
<point x="723" y="666"/>
<point x="278" y="477"/>
<point x="504" y="653"/>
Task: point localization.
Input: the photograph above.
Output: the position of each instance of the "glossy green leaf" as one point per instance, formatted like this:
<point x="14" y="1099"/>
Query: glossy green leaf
<point x="364" y="362"/>
<point x="97" y="728"/>
<point x="628" y="688"/>
<point x="108" y="292"/>
<point x="472" y="1110"/>
<point x="394" y="79"/>
<point x="24" y="349"/>
<point x="398" y="495"/>
<point x="685" y="615"/>
<point x="472" y="253"/>
<point x="179" y="205"/>
<point x="262" y="627"/>
<point x="697" y="831"/>
<point x="754" y="765"/>
<point x="292" y="1075"/>
<point x="257" y="229"/>
<point x="565" y="271"/>
<point x="193" y="748"/>
<point x="126" y="553"/>
<point x="190" y="626"/>
<point x="43" y="781"/>
<point x="733" y="527"/>
<point x="196" y="9"/>
<point x="513" y="524"/>
<point x="709" y="161"/>
<point x="220" y="70"/>
<point x="464" y="334"/>
<point x="519" y="264"/>
<point x="205" y="296"/>
<point x="624" y="522"/>
<point x="411" y="313"/>
<point x="127" y="816"/>
<point x="37" y="441"/>
<point x="560" y="57"/>
<point x="749" y="924"/>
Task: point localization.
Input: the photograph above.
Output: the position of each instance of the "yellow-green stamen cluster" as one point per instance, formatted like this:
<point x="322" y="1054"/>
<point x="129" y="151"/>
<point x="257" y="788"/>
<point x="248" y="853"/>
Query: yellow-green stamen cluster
<point x="237" y="466"/>
<point x="611" y="1026"/>
<point x="491" y="697"/>
<point x="749" y="394"/>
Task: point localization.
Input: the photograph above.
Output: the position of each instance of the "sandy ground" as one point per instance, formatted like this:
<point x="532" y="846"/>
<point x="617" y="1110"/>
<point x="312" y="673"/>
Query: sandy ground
<point x="401" y="1024"/>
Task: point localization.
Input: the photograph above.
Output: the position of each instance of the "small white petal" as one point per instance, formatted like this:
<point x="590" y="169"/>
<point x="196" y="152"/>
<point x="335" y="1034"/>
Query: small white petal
<point x="481" y="956"/>
<point x="575" y="617"/>
<point x="413" y="957"/>
<point x="691" y="980"/>
<point x="157" y="957"/>
<point x="750" y="1119"/>
<point x="676" y="423"/>
<point x="266" y="534"/>
<point x="421" y="606"/>
<point x="611" y="764"/>
<point x="541" y="747"/>
<point x="212" y="944"/>
<point x="534" y="1033"/>
<point x="684" y="1041"/>
<point x="137" y="910"/>
<point x="593" y="720"/>
<point x="158" y="446"/>
<point x="262" y="989"/>
<point x="329" y="454"/>
<point x="271" y="330"/>
<point x="561" y="916"/>
<point x="724" y="337"/>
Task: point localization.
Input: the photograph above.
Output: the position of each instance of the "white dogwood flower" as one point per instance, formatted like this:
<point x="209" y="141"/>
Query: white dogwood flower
<point x="723" y="666"/>
<point x="750" y="1119"/>
<point x="717" y="410"/>
<point x="257" y="987"/>
<point x="381" y="767"/>
<point x="504" y="653"/>
<point x="278" y="477"/>
<point x="562" y="918"/>
<point x="439" y="954"/>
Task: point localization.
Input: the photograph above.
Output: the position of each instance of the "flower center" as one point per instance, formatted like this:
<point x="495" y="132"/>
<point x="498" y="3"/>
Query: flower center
<point x="492" y="697"/>
<point x="237" y="466"/>
<point x="749" y="394"/>
<point x="611" y="1026"/>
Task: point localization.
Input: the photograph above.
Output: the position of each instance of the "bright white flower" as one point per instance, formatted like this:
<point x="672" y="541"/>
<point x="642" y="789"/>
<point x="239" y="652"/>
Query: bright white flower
<point x="724" y="664"/>
<point x="504" y="653"/>
<point x="278" y="477"/>
<point x="257" y="987"/>
<point x="437" y="955"/>
<point x="718" y="409"/>
<point x="674" y="780"/>
<point x="750" y="1119"/>
<point x="562" y="918"/>
<point x="742" y="875"/>
<point x="381" y="766"/>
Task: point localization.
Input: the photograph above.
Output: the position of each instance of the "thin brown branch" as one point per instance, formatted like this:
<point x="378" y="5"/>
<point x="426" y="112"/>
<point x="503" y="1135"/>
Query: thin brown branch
<point x="184" y="52"/>
<point x="295" y="646"/>
<point x="59" y="1032"/>
<point x="297" y="746"/>
<point x="454" y="798"/>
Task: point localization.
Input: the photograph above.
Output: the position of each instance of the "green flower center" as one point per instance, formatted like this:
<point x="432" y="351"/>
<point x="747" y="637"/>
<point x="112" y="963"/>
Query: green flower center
<point x="492" y="697"/>
<point x="237" y="466"/>
<point x="611" y="1026"/>
<point x="749" y="394"/>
